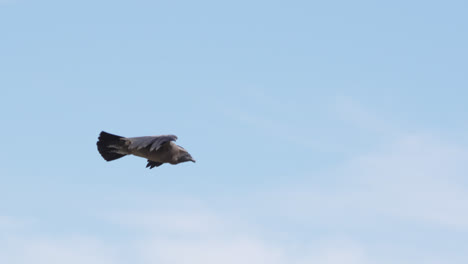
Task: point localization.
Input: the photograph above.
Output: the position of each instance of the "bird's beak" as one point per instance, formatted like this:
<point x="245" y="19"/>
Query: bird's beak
<point x="192" y="160"/>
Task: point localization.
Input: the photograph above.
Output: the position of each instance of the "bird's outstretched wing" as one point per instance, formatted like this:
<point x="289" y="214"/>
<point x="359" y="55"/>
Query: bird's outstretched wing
<point x="153" y="142"/>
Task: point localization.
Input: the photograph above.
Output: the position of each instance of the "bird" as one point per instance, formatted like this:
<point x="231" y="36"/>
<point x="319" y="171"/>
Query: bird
<point x="156" y="149"/>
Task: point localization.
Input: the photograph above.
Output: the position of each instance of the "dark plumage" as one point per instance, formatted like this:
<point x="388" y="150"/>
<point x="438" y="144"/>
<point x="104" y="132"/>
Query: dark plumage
<point x="157" y="149"/>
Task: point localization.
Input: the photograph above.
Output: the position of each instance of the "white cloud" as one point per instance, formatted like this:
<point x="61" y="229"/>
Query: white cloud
<point x="28" y="249"/>
<point x="227" y="250"/>
<point x="7" y="222"/>
<point x="213" y="238"/>
<point x="11" y="224"/>
<point x="199" y="235"/>
<point x="350" y="111"/>
<point x="335" y="252"/>
<point x="190" y="222"/>
<point x="216" y="240"/>
<point x="416" y="179"/>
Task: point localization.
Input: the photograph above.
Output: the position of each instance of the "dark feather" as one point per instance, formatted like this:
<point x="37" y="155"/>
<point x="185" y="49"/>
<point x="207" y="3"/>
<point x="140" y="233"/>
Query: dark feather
<point x="154" y="142"/>
<point x="151" y="164"/>
<point x="107" y="146"/>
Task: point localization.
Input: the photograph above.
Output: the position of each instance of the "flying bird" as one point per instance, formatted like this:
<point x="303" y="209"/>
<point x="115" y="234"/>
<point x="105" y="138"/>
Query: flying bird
<point x="157" y="149"/>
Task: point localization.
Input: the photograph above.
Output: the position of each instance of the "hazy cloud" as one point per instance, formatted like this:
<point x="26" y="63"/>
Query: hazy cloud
<point x="416" y="179"/>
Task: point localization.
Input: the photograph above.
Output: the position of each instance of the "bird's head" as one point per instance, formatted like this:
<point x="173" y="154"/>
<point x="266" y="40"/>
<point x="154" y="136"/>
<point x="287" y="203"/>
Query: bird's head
<point x="184" y="156"/>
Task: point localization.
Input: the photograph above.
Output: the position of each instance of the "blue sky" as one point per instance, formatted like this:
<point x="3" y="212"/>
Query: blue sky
<point x="325" y="132"/>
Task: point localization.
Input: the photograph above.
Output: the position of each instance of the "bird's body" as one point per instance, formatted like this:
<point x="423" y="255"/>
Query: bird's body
<point x="166" y="154"/>
<point x="157" y="149"/>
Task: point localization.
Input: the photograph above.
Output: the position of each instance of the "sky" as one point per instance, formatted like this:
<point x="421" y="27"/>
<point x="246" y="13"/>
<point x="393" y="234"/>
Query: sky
<point x="325" y="132"/>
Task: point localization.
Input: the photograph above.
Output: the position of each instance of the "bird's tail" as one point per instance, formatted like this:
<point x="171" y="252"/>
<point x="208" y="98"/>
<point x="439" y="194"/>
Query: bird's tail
<point x="111" y="147"/>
